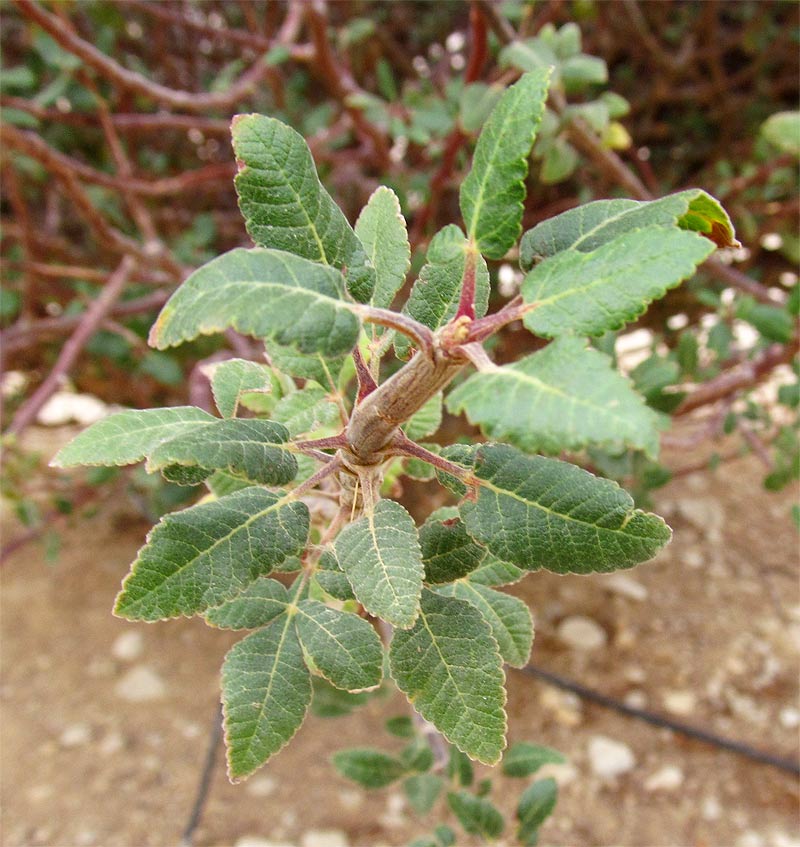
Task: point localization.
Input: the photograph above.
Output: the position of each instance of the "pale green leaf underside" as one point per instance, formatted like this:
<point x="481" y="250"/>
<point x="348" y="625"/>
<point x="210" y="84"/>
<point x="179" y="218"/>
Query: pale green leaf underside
<point x="381" y="228"/>
<point x="259" y="603"/>
<point x="426" y="421"/>
<point x="565" y="397"/>
<point x="251" y="448"/>
<point x="592" y="293"/>
<point x="263" y="293"/>
<point x="207" y="554"/>
<point x="285" y="206"/>
<point x="266" y="691"/>
<point x="380" y="555"/>
<point x="288" y="360"/>
<point x="344" y="648"/>
<point x="306" y="410"/>
<point x="537" y="512"/>
<point x="127" y="437"/>
<point x="491" y="196"/>
<point x="509" y="618"/>
<point x="449" y="667"/>
<point x="493" y="571"/>
<point x="234" y="377"/>
<point x="594" y="224"/>
<point x="436" y="293"/>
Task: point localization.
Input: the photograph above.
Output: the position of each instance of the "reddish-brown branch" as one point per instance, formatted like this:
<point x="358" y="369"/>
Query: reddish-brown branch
<point x="94" y="315"/>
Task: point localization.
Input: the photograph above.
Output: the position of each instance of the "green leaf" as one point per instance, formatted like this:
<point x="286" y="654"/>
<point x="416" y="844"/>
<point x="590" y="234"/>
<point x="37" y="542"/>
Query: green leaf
<point x="535" y="805"/>
<point x="380" y="555"/>
<point x="332" y="578"/>
<point x="422" y="791"/>
<point x="401" y="726"/>
<point x="127" y="437"/>
<point x="244" y="447"/>
<point x="343" y="647"/>
<point x="446" y="836"/>
<point x="259" y="603"/>
<point x="564" y="397"/>
<point x="436" y="293"/>
<point x="207" y="554"/>
<point x="184" y="475"/>
<point x="543" y="513"/>
<point x="448" y="552"/>
<point x="221" y="483"/>
<point x="266" y="691"/>
<point x="459" y="768"/>
<point x="509" y="618"/>
<point x="524" y="758"/>
<point x="330" y="702"/>
<point x="264" y="293"/>
<point x="459" y="454"/>
<point x="306" y="410"/>
<point x="783" y="131"/>
<point x="476" y="814"/>
<point x="285" y="206"/>
<point x="530" y="54"/>
<point x="449" y="668"/>
<point x="381" y="228"/>
<point x="368" y="767"/>
<point x="418" y="756"/>
<point x="492" y="571"/>
<point x="492" y="194"/>
<point x="592" y="225"/>
<point x="426" y="421"/>
<point x="476" y="103"/>
<point x="288" y="360"/>
<point x="583" y="70"/>
<point x="591" y="293"/>
<point x="234" y="377"/>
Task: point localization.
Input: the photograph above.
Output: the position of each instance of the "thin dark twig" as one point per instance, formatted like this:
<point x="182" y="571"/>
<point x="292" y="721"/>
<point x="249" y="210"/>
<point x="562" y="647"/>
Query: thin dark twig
<point x="204" y="786"/>
<point x="785" y="764"/>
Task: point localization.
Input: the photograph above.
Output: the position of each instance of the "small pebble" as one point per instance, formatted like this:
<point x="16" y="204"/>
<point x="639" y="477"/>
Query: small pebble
<point x="76" y="735"/>
<point x="582" y="633"/>
<point x="636" y="699"/>
<point x="711" y="809"/>
<point x="128" y="646"/>
<point x="626" y="586"/>
<point x="668" y="778"/>
<point x="693" y="558"/>
<point x="112" y="743"/>
<point x="324" y="838"/>
<point x="680" y="702"/>
<point x="256" y="841"/>
<point x="750" y="838"/>
<point x="140" y="684"/>
<point x="609" y="758"/>
<point x="789" y="717"/>
<point x="261" y="786"/>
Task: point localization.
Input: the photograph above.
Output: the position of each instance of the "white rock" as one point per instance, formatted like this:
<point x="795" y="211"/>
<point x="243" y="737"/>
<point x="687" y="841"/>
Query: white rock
<point x="351" y="799"/>
<point x="704" y="513"/>
<point x="636" y="699"/>
<point x="789" y="717"/>
<point x="76" y="735"/>
<point x="324" y="838"/>
<point x="609" y="758"/>
<point x="668" y="778"/>
<point x="582" y="633"/>
<point x="64" y="407"/>
<point x="261" y="786"/>
<point x="140" y="684"/>
<point x="627" y="586"/>
<point x="563" y="774"/>
<point x="680" y="702"/>
<point x="128" y="646"/>
<point x="711" y="809"/>
<point x="256" y="841"/>
<point x="783" y="839"/>
<point x="694" y="558"/>
<point x="750" y="838"/>
<point x="112" y="743"/>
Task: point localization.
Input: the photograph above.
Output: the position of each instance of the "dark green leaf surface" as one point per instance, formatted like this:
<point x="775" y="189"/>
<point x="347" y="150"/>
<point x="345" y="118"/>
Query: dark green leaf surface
<point x="535" y="806"/>
<point x="235" y="377"/>
<point x="594" y="224"/>
<point x="477" y="815"/>
<point x="244" y="447"/>
<point x="266" y="691"/>
<point x="449" y="668"/>
<point x="592" y="293"/>
<point x="492" y="194"/>
<point x="492" y="571"/>
<point x="380" y="555"/>
<point x="259" y="603"/>
<point x="565" y="397"/>
<point x="448" y="552"/>
<point x="332" y="578"/>
<point x="543" y="513"/>
<point x="343" y="647"/>
<point x="524" y="759"/>
<point x="285" y="206"/>
<point x="127" y="437"/>
<point x="207" y="554"/>
<point x="368" y="767"/>
<point x="264" y="293"/>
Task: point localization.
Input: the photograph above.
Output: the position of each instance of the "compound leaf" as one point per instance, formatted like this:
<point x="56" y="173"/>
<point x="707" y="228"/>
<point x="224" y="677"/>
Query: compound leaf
<point x="266" y="691"/>
<point x="509" y="618"/>
<point x="436" y="293"/>
<point x="477" y="815"/>
<point x="244" y="447"/>
<point x="449" y="668"/>
<point x="368" y="767"/>
<point x="492" y="194"/>
<point x="594" y="224"/>
<point x="343" y="647"/>
<point x="380" y="555"/>
<point x="259" y="603"/>
<point x="127" y="437"/>
<point x="207" y="554"/>
<point x="264" y="293"/>
<point x="592" y="293"/>
<point x="381" y="228"/>
<point x="564" y="397"/>
<point x="537" y="512"/>
<point x="285" y="206"/>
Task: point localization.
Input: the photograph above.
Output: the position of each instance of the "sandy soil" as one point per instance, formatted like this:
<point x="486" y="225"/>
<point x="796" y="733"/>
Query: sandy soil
<point x="709" y="632"/>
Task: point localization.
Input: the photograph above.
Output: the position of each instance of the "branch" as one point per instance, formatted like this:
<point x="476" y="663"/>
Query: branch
<point x="73" y="347"/>
<point x="420" y="334"/>
<point x="402" y="445"/>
